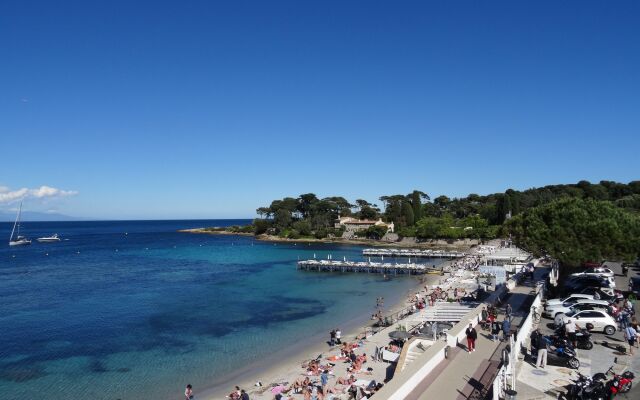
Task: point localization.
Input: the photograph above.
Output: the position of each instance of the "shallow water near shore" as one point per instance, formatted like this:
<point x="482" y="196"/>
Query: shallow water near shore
<point x="135" y="310"/>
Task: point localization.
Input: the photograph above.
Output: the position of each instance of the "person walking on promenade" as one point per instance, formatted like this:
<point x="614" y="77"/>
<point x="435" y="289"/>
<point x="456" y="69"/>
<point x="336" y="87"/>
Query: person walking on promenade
<point x="506" y="328"/>
<point x="533" y="341"/>
<point x="188" y="392"/>
<point x="495" y="328"/>
<point x="508" y="311"/>
<point x="541" y="361"/>
<point x="630" y="335"/>
<point x="484" y="313"/>
<point x="472" y="335"/>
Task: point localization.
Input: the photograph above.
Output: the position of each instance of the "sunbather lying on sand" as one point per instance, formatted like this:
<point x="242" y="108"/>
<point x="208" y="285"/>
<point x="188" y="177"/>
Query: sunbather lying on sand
<point x="346" y="381"/>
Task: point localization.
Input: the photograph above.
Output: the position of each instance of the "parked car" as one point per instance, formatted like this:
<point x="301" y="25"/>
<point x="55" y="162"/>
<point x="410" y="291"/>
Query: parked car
<point x="610" y="279"/>
<point x="608" y="294"/>
<point x="577" y="283"/>
<point x="574" y="297"/>
<point x="557" y="317"/>
<point x="634" y="285"/>
<point x="563" y="308"/>
<point x="600" y="320"/>
<point x="599" y="271"/>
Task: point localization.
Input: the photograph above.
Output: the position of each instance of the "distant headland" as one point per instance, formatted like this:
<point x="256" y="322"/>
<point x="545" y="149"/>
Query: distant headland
<point x="544" y="221"/>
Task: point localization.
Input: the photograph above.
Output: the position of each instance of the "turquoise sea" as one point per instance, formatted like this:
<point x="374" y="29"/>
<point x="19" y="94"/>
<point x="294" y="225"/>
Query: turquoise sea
<point x="135" y="309"/>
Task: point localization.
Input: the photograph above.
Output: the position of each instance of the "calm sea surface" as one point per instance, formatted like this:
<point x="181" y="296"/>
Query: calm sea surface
<point x="135" y="310"/>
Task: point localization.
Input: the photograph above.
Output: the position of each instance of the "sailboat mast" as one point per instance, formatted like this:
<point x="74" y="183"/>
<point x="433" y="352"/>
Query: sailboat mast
<point x="18" y="219"/>
<point x="16" y="223"/>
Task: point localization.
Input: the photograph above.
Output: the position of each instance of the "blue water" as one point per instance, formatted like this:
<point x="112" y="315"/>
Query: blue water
<point x="135" y="309"/>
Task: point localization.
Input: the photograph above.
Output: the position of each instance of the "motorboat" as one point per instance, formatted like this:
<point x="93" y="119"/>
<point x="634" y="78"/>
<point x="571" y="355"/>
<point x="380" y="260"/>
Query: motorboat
<point x="49" y="239"/>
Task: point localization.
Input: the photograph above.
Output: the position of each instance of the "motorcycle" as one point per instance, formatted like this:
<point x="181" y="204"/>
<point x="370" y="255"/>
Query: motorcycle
<point x="619" y="383"/>
<point x="583" y="338"/>
<point x="587" y="388"/>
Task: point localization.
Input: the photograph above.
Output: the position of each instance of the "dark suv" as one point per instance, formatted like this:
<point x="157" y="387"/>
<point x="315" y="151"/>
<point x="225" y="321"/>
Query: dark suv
<point x="634" y="285"/>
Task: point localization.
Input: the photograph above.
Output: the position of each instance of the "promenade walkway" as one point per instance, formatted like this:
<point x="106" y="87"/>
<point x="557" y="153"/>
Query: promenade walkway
<point x="461" y="375"/>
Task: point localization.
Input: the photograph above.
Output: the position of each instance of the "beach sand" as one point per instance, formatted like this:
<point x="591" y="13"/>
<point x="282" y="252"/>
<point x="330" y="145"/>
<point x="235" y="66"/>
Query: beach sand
<point x="285" y="364"/>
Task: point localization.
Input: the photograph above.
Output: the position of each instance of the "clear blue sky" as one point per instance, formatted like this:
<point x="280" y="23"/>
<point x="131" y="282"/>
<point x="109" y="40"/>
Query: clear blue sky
<point x="188" y="109"/>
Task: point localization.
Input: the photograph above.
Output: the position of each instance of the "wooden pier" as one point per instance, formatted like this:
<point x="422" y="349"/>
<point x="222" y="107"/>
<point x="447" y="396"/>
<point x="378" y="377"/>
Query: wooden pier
<point x="368" y="267"/>
<point x="417" y="253"/>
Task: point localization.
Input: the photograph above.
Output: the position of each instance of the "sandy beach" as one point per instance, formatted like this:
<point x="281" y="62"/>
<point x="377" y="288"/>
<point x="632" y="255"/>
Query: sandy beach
<point x="285" y="363"/>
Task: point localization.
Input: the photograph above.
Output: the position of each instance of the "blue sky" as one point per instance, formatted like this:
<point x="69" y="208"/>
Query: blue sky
<point x="199" y="109"/>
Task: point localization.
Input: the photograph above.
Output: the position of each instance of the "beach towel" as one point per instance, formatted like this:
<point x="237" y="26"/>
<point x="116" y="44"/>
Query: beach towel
<point x="278" y="389"/>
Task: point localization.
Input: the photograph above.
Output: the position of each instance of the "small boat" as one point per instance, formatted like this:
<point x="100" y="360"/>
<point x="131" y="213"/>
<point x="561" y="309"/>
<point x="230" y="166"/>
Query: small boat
<point x="19" y="240"/>
<point x="49" y="239"/>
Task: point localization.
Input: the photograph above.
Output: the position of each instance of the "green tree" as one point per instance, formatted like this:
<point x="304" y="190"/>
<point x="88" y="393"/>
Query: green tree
<point x="261" y="226"/>
<point x="576" y="230"/>
<point x="367" y="210"/>
<point x="282" y="219"/>
<point x="303" y="227"/>
<point x="305" y="204"/>
<point x="407" y="214"/>
<point x="416" y="198"/>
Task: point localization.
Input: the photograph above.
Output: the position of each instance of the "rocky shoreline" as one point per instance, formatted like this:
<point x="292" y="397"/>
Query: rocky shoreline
<point x="406" y="242"/>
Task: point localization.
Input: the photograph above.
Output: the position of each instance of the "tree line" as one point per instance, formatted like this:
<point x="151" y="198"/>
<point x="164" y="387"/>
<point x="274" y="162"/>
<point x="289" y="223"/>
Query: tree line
<point x="532" y="216"/>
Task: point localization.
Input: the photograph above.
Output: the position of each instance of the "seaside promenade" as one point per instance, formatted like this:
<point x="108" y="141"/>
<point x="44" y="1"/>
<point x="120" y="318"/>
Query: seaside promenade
<point x="465" y="375"/>
<point x="462" y="375"/>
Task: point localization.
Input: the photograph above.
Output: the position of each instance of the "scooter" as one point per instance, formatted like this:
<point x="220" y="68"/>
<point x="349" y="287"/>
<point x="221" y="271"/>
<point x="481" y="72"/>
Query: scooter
<point x="562" y="355"/>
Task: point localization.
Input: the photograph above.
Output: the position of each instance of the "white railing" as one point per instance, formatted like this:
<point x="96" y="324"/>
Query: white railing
<point x="506" y="377"/>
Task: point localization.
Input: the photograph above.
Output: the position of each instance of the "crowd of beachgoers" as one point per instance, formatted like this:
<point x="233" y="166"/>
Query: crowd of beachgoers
<point x="356" y="368"/>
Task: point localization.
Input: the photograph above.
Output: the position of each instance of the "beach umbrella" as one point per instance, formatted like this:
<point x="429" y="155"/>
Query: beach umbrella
<point x="403" y="335"/>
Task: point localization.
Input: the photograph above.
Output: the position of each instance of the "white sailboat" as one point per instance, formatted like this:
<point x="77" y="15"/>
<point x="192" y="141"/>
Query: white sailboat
<point x="19" y="240"/>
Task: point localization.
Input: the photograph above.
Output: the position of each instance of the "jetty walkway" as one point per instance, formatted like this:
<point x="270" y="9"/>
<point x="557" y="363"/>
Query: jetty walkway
<point x="368" y="267"/>
<point x="413" y="253"/>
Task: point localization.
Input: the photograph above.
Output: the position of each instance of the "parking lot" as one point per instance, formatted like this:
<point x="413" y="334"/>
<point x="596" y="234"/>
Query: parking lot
<point x="550" y="382"/>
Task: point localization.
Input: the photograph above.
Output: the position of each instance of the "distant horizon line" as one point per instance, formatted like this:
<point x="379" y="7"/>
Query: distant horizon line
<point x="79" y="219"/>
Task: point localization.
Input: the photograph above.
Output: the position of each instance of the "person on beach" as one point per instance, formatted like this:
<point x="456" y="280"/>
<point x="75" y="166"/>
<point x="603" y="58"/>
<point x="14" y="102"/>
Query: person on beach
<point x="338" y="336"/>
<point x="346" y="381"/>
<point x="188" y="392"/>
<point x="235" y="395"/>
<point x="324" y="380"/>
<point x="332" y="338"/>
<point x="243" y="395"/>
<point x="472" y="335"/>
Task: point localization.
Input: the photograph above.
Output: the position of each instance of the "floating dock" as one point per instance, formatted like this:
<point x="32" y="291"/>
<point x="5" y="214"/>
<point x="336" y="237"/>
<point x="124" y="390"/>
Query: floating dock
<point x="368" y="267"/>
<point x="412" y="253"/>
